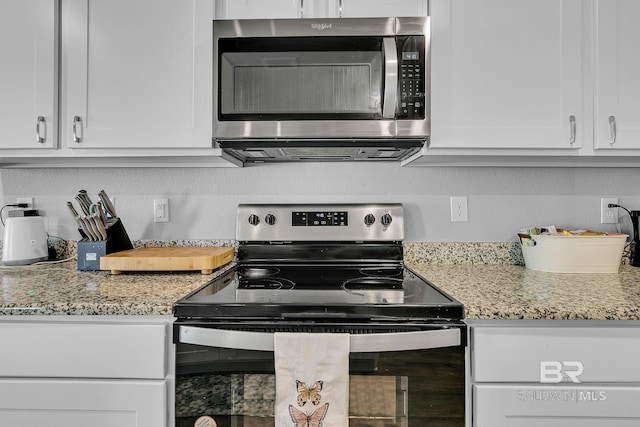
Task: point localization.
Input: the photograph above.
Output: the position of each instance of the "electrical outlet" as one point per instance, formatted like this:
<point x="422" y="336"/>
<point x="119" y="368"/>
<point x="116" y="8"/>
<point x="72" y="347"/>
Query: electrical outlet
<point x="608" y="215"/>
<point x="459" y="209"/>
<point x="27" y="200"/>
<point x="161" y="210"/>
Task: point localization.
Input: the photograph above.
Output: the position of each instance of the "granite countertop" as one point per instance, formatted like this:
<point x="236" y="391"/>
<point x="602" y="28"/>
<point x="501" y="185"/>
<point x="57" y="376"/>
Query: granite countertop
<point x="482" y="276"/>
<point x="515" y="292"/>
<point x="62" y="289"/>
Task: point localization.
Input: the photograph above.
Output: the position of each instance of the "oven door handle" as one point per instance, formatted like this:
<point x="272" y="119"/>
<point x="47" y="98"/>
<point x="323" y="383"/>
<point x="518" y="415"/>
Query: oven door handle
<point x="359" y="343"/>
<point x="390" y="78"/>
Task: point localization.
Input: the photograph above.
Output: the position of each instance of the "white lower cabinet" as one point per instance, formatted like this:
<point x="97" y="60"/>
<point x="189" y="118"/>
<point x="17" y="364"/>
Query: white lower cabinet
<point x="95" y="403"/>
<point x="526" y="405"/>
<point x="106" y="371"/>
<point x="554" y="373"/>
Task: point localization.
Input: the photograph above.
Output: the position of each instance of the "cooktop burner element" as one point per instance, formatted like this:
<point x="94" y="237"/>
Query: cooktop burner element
<point x="319" y="262"/>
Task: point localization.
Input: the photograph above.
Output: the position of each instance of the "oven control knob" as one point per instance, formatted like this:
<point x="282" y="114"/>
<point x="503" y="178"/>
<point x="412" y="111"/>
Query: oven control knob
<point x="386" y="219"/>
<point x="270" y="219"/>
<point x="254" y="219"/>
<point x="369" y="220"/>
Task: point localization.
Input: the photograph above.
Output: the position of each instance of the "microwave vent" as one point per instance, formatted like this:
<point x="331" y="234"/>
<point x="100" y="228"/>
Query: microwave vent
<point x="312" y="152"/>
<point x="327" y="150"/>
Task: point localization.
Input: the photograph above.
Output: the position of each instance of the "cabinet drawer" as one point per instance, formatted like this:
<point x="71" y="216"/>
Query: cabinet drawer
<point x="574" y="352"/>
<point x="83" y="350"/>
<point x="527" y="405"/>
<point x="95" y="403"/>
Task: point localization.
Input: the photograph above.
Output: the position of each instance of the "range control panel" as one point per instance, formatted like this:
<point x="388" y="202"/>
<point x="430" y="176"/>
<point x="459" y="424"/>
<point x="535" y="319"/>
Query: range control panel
<point x="320" y="219"/>
<point x="344" y="222"/>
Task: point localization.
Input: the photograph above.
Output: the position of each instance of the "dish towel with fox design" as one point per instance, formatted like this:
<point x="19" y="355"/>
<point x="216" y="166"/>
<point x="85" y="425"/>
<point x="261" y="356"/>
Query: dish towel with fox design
<point x="312" y="379"/>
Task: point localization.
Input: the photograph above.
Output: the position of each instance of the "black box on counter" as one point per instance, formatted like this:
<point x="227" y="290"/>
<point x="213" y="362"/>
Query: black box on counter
<point x="89" y="252"/>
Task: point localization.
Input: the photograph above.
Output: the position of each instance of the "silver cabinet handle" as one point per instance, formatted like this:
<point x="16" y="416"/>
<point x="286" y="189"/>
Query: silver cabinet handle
<point x="40" y="138"/>
<point x="359" y="343"/>
<point x="613" y="132"/>
<point x="391" y="78"/>
<point x="340" y="9"/>
<point x="76" y="120"/>
<point x="301" y="8"/>
<point x="572" y="124"/>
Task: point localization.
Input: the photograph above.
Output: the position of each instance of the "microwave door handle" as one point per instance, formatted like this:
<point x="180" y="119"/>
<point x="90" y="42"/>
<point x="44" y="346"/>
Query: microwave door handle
<point x="390" y="77"/>
<point x="359" y="343"/>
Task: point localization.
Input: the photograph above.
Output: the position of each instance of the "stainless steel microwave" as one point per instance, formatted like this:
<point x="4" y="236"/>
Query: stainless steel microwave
<point x="321" y="89"/>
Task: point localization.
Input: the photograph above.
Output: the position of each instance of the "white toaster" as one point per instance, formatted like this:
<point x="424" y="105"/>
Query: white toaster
<point x="25" y="241"/>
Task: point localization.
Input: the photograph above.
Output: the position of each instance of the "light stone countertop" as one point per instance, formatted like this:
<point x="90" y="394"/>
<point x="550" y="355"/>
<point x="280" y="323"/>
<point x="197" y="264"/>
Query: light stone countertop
<point x="62" y="289"/>
<point x="482" y="276"/>
<point x="515" y="292"/>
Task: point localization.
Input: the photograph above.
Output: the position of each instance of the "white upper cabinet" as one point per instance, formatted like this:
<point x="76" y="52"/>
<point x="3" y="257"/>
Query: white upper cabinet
<point x="136" y="74"/>
<point x="374" y="8"/>
<point x="28" y="75"/>
<point x="508" y="74"/>
<point x="272" y="9"/>
<point x="617" y="111"/>
<point x="264" y="9"/>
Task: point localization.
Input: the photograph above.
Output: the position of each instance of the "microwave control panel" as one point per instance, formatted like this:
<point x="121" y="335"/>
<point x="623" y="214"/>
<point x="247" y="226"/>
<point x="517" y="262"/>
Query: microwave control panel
<point x="411" y="72"/>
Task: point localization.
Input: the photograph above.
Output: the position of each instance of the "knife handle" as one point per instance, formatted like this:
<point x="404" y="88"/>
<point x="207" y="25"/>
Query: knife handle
<point x="84" y="225"/>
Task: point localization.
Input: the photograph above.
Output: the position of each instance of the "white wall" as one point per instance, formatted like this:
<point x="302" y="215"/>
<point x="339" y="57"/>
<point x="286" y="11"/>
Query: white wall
<point x="203" y="201"/>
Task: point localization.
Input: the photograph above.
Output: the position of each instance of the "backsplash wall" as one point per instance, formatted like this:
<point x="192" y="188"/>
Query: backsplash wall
<point x="203" y="200"/>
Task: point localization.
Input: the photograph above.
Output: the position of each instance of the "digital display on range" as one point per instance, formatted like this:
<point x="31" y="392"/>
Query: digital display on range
<point x="319" y="219"/>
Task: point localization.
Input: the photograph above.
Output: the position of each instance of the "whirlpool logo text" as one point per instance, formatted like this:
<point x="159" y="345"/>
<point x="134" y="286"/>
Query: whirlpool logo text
<point x="321" y="27"/>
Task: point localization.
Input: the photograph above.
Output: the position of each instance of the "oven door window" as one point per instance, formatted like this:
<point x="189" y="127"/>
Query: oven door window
<point x="301" y="78"/>
<point x="390" y="389"/>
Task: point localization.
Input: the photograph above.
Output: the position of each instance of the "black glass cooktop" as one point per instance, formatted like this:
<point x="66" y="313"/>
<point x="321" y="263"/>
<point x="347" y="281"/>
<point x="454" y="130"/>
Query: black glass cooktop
<point x="286" y="291"/>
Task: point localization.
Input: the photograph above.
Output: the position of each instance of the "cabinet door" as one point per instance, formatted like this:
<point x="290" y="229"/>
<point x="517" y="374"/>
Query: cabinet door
<point x="28" y="75"/>
<point x="617" y="71"/>
<point x="137" y="74"/>
<point x="507" y="74"/>
<point x="530" y="405"/>
<point x="264" y="9"/>
<point x="95" y="403"/>
<point x="375" y="8"/>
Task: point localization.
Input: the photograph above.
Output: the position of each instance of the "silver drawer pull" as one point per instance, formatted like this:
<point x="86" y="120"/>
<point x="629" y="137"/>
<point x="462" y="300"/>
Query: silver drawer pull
<point x="572" y="125"/>
<point x="76" y="120"/>
<point x="40" y="138"/>
<point x="301" y="8"/>
<point x="359" y="343"/>
<point x="612" y="130"/>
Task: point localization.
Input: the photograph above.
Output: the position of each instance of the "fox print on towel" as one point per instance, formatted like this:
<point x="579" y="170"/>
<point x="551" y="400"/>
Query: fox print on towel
<point x="310" y="394"/>
<point x="302" y="419"/>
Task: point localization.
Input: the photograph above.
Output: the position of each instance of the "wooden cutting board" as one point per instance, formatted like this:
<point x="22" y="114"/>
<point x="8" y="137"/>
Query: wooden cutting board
<point x="204" y="259"/>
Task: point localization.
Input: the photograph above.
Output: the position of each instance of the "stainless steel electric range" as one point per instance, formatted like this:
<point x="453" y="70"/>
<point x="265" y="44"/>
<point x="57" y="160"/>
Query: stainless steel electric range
<point x="321" y="268"/>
